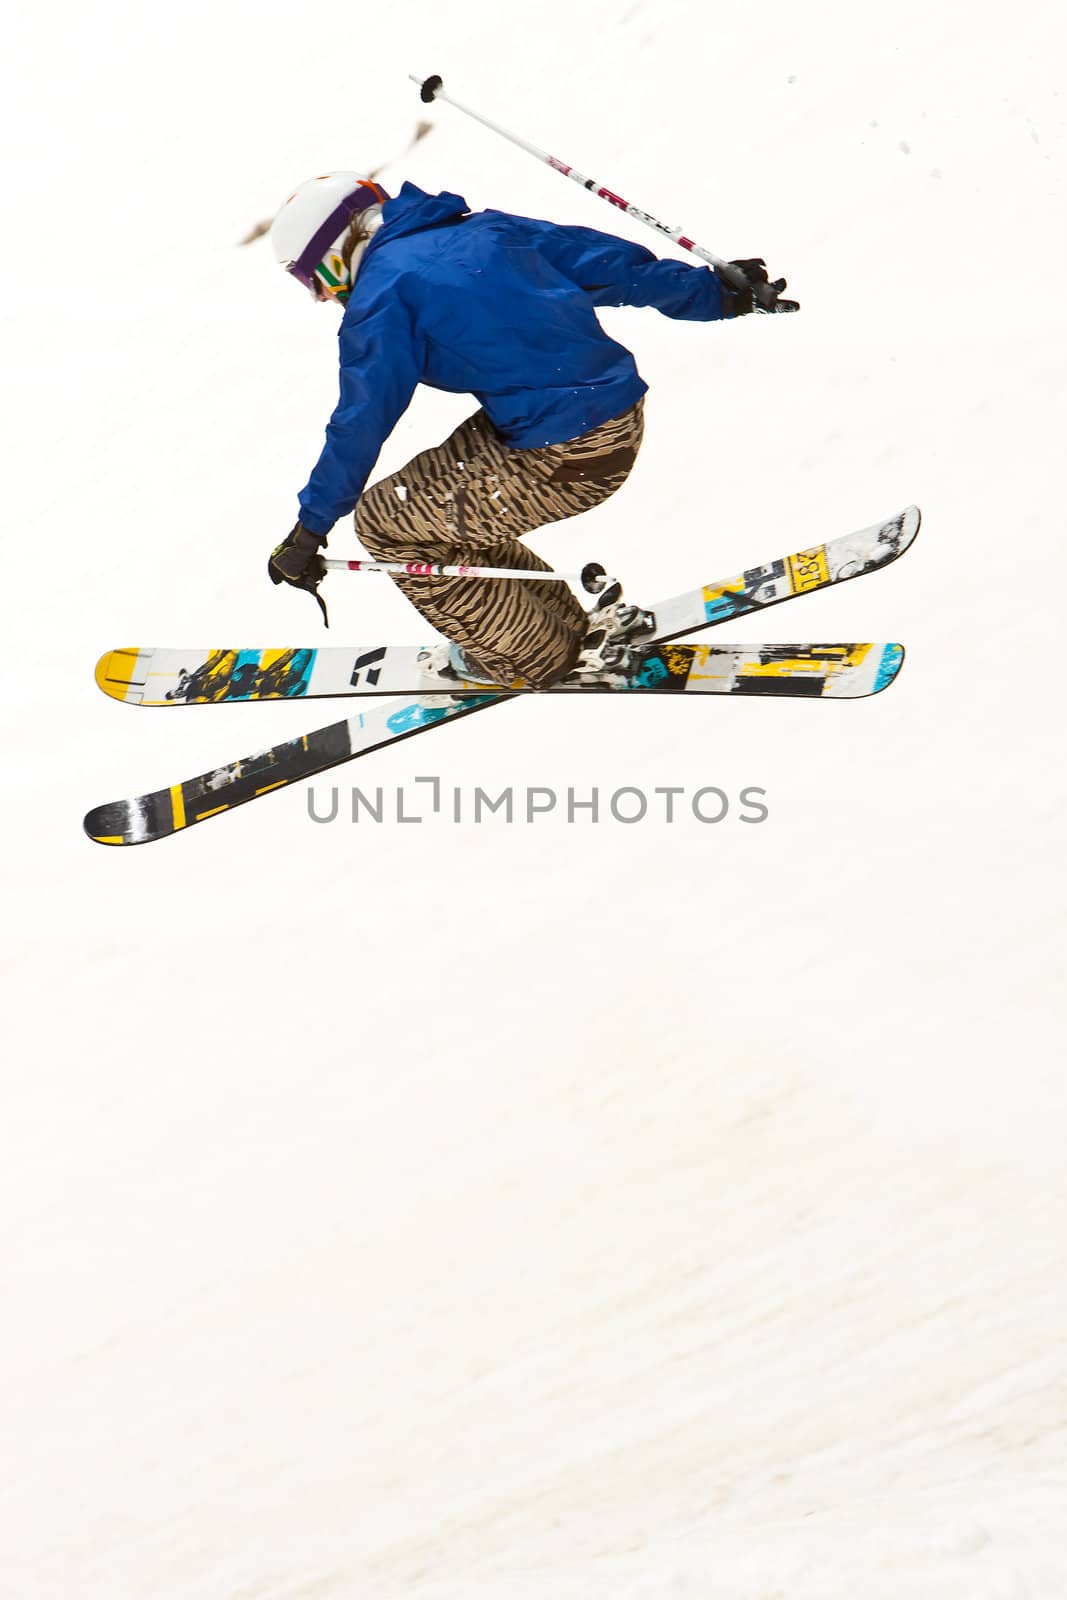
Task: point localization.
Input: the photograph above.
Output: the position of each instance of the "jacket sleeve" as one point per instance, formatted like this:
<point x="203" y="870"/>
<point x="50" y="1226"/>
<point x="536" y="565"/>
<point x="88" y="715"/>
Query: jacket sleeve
<point x="380" y="368"/>
<point x="617" y="273"/>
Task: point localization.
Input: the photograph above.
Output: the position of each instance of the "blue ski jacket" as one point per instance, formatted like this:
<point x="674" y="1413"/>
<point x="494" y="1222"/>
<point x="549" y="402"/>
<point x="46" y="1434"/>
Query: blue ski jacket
<point x="497" y="306"/>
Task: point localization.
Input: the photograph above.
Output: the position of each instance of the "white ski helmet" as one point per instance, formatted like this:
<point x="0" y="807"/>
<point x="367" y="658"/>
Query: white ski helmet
<point x="309" y="230"/>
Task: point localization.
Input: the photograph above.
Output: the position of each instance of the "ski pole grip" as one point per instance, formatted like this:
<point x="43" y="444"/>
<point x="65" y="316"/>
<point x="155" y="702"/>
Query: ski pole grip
<point x="765" y="295"/>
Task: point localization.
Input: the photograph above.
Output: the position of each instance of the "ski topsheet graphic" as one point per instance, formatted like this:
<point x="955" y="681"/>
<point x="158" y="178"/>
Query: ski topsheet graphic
<point x="161" y="677"/>
<point x="165" y="811"/>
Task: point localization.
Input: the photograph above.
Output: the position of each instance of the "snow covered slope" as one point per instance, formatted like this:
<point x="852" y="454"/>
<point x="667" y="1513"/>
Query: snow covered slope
<point x="548" y="1209"/>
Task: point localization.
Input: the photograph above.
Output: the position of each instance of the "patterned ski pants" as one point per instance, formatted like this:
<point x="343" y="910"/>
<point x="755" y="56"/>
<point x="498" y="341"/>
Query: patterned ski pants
<point x="470" y="500"/>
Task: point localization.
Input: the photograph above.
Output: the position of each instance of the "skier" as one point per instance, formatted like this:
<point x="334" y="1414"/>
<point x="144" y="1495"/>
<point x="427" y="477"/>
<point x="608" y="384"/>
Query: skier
<point x="501" y="307"/>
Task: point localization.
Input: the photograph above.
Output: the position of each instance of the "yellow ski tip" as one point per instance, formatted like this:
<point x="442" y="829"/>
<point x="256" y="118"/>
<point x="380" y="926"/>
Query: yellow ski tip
<point x="115" y="672"/>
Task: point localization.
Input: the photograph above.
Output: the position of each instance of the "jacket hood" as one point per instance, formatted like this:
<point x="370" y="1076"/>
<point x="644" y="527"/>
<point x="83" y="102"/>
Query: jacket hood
<point x="414" y="209"/>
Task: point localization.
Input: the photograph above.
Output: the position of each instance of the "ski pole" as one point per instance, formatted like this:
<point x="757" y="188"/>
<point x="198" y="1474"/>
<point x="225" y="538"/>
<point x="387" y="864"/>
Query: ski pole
<point x="593" y="578"/>
<point x="765" y="294"/>
<point x="421" y="130"/>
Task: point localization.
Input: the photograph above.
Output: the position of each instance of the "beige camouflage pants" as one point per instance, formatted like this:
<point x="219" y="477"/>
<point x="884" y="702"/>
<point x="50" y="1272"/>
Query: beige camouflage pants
<point x="469" y="501"/>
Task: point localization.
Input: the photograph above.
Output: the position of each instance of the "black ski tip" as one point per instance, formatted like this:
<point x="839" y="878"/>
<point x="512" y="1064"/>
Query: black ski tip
<point x="130" y="821"/>
<point x="106" y="824"/>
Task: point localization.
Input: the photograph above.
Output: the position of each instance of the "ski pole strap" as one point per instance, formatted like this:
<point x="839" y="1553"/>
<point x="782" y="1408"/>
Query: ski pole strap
<point x="592" y="577"/>
<point x="432" y="89"/>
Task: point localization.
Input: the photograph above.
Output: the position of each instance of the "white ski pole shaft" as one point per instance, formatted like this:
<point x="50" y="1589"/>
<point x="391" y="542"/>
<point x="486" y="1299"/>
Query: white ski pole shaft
<point x="592" y="576"/>
<point x="432" y="89"/>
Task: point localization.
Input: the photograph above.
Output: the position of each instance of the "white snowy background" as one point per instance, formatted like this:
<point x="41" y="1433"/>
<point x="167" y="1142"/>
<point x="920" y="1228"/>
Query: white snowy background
<point x="547" y="1210"/>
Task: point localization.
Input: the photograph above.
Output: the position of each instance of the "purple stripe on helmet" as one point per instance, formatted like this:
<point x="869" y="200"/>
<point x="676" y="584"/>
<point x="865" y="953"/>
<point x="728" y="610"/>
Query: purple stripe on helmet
<point x="336" y="223"/>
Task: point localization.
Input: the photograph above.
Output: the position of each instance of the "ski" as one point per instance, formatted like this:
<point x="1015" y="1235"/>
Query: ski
<point x="173" y="677"/>
<point x="148" y="817"/>
<point x="153" y="816"/>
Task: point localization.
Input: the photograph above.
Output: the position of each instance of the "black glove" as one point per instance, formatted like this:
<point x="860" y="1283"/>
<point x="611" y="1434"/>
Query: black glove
<point x="757" y="293"/>
<point x="298" y="560"/>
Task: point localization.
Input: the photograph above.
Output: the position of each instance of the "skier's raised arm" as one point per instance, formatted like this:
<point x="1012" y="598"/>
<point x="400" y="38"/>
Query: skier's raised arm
<point x="616" y="272"/>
